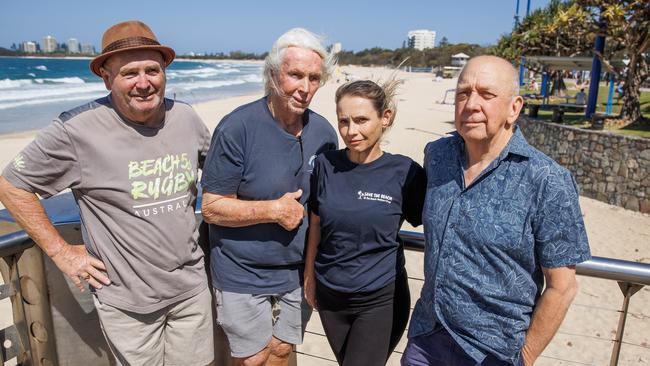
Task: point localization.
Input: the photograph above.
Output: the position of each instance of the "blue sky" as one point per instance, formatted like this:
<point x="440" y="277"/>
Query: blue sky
<point x="252" y="26"/>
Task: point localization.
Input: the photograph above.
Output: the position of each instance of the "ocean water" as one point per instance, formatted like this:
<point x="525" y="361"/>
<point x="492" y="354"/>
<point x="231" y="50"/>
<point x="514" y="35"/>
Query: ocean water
<point x="33" y="91"/>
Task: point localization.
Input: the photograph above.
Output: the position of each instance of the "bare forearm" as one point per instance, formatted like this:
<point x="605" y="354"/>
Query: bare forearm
<point x="547" y="318"/>
<point x="313" y="240"/>
<point x="30" y="215"/>
<point x="233" y="212"/>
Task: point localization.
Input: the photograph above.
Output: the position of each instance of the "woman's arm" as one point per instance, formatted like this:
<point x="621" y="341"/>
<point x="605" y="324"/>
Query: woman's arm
<point x="313" y="240"/>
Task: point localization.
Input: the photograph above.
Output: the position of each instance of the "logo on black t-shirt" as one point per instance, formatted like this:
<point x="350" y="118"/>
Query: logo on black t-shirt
<point x="369" y="196"/>
<point x="311" y="163"/>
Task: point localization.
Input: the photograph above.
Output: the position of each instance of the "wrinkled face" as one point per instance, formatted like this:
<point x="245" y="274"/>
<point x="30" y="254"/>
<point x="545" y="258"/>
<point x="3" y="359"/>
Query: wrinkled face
<point x="360" y="124"/>
<point x="136" y="80"/>
<point x="485" y="104"/>
<point x="298" y="78"/>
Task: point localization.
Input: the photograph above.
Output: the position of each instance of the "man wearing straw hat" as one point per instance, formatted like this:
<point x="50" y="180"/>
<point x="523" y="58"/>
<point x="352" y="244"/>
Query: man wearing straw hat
<point x="131" y="160"/>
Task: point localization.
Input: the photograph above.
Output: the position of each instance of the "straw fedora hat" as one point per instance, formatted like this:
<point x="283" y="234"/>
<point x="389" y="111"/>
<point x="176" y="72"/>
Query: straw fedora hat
<point x="128" y="36"/>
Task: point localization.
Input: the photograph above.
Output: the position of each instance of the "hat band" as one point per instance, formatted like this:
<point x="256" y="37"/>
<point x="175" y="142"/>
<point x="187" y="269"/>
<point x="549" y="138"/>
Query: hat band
<point x="130" y="42"/>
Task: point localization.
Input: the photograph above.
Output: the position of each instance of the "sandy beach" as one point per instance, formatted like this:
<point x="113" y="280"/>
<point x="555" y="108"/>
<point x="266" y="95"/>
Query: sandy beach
<point x="585" y="336"/>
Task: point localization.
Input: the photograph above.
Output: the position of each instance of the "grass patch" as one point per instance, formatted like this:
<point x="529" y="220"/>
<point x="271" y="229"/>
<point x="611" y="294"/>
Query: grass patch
<point x="569" y="119"/>
<point x="578" y="119"/>
<point x="636" y="129"/>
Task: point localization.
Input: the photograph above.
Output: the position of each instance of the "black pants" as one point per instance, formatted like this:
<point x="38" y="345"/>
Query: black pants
<point x="364" y="328"/>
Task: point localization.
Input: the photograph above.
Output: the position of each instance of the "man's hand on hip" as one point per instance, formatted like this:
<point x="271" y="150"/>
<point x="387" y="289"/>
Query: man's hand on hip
<point x="78" y="265"/>
<point x="288" y="211"/>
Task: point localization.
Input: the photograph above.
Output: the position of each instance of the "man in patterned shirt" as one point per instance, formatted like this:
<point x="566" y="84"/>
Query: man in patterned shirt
<point x="501" y="219"/>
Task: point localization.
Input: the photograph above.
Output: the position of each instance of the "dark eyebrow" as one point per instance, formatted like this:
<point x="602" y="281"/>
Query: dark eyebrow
<point x="128" y="70"/>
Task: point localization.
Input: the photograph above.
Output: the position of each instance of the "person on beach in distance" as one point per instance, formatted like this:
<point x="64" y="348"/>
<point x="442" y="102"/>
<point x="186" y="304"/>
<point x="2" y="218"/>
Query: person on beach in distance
<point x="131" y="160"/>
<point x="354" y="270"/>
<point x="255" y="189"/>
<point x="501" y="220"/>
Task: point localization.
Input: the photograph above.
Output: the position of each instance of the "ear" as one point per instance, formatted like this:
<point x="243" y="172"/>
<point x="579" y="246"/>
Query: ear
<point x="514" y="109"/>
<point x="385" y="118"/>
<point x="106" y="76"/>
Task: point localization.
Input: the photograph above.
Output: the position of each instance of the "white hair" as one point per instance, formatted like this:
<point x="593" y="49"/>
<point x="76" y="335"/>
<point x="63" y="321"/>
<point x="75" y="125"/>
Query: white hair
<point x="296" y="37"/>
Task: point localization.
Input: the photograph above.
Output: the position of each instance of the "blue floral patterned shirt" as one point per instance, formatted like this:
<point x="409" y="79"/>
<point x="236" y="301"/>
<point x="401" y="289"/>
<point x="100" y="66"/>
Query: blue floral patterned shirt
<point x="486" y="244"/>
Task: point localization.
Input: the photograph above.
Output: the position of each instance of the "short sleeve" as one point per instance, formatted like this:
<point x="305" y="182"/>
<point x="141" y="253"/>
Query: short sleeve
<point x="48" y="165"/>
<point x="204" y="144"/>
<point x="224" y="164"/>
<point x="314" y="184"/>
<point x="414" y="190"/>
<point x="560" y="235"/>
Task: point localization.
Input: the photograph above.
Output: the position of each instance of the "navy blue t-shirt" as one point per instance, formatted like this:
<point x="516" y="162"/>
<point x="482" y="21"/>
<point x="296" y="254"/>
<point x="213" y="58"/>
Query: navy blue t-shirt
<point x="361" y="209"/>
<point x="252" y="156"/>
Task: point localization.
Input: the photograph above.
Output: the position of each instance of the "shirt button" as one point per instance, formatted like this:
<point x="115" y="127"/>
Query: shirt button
<point x="452" y="225"/>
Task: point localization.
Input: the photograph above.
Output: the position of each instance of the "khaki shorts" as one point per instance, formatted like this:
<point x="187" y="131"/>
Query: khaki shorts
<point x="179" y="334"/>
<point x="250" y="321"/>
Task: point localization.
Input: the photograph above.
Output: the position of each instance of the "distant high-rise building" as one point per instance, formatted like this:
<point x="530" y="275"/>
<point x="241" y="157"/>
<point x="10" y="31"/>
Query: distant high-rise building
<point x="73" y="46"/>
<point x="28" y="47"/>
<point x="87" y="49"/>
<point x="421" y="39"/>
<point x="49" y="44"/>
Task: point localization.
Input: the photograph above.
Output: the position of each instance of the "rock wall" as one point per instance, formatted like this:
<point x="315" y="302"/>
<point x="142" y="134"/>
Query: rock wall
<point x="609" y="167"/>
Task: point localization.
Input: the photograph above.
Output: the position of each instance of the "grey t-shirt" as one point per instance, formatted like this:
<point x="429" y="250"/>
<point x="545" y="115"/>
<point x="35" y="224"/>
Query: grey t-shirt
<point x="136" y="191"/>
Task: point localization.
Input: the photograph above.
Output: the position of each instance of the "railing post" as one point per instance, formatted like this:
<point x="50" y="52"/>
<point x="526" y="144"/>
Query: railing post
<point x="36" y="306"/>
<point x="17" y="346"/>
<point x="628" y="290"/>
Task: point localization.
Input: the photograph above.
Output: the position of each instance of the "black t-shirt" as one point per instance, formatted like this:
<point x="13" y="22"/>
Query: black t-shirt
<point x="361" y="209"/>
<point x="253" y="157"/>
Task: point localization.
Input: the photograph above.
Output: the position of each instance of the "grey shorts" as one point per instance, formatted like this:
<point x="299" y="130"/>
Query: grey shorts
<point x="250" y="321"/>
<point x="179" y="334"/>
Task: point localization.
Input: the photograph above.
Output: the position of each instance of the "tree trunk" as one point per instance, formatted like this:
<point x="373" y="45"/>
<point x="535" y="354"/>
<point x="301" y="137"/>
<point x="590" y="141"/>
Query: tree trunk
<point x="559" y="87"/>
<point x="631" y="108"/>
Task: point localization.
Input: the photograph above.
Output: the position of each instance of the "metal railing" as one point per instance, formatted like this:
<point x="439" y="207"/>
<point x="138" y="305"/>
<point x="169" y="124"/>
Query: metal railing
<point x="31" y="338"/>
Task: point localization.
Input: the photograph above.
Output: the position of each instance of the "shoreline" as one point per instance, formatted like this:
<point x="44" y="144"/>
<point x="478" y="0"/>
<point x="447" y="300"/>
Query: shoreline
<point x="33" y="132"/>
<point x="19" y="134"/>
<point x="32" y="103"/>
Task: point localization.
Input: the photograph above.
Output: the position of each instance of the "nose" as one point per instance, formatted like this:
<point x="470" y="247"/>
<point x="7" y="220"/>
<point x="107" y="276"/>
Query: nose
<point x="473" y="102"/>
<point x="303" y="86"/>
<point x="353" y="129"/>
<point x="142" y="81"/>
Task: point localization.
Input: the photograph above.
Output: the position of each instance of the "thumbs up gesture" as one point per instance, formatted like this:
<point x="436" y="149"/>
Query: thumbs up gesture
<point x="288" y="211"/>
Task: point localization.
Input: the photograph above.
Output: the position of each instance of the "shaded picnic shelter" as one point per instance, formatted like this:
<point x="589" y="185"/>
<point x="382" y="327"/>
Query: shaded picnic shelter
<point x="552" y="63"/>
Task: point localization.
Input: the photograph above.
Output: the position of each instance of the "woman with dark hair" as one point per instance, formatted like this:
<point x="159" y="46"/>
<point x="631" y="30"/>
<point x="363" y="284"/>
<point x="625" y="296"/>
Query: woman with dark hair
<point x="360" y="196"/>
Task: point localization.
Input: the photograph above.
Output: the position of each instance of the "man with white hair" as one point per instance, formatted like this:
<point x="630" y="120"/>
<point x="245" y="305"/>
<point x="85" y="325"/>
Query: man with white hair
<point x="255" y="188"/>
<point x="503" y="232"/>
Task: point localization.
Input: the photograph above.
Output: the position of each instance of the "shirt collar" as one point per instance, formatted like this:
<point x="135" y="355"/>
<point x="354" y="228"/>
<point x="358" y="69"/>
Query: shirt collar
<point x="516" y="145"/>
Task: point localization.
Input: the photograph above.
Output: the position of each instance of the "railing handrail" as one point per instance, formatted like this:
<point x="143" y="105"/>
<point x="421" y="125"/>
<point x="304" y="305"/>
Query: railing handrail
<point x="14" y="243"/>
<point x="599" y="267"/>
